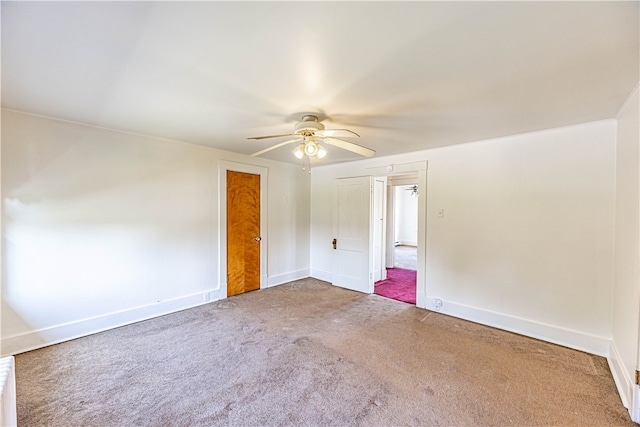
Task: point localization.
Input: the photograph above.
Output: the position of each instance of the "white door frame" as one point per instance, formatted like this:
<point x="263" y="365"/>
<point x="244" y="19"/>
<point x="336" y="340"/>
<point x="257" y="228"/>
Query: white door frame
<point x="223" y="167"/>
<point x="421" y="169"/>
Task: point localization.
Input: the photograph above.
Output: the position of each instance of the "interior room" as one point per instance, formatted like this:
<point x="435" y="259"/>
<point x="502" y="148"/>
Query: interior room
<point x="205" y="193"/>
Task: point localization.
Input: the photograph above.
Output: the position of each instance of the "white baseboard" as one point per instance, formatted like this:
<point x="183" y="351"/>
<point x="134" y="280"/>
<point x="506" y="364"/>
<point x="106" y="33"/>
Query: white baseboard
<point x="327" y="276"/>
<point x="554" y="334"/>
<point x="32" y="340"/>
<point x="287" y="277"/>
<point x="621" y="377"/>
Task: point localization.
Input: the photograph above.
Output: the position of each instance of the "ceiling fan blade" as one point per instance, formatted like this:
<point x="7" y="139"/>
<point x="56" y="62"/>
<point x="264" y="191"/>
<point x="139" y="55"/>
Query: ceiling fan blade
<point x="346" y="145"/>
<point x="336" y="132"/>
<point x="273" y="147"/>
<point x="272" y="136"/>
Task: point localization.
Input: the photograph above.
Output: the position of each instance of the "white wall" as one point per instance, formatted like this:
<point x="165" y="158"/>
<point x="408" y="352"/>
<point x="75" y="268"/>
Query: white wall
<point x="626" y="288"/>
<point x="526" y="242"/>
<point x="102" y="228"/>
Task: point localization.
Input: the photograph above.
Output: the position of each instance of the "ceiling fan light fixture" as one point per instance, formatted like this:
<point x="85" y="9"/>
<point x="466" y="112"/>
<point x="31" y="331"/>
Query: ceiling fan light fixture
<point x="321" y="152"/>
<point x="310" y="148"/>
<point x="305" y="133"/>
<point x="299" y="151"/>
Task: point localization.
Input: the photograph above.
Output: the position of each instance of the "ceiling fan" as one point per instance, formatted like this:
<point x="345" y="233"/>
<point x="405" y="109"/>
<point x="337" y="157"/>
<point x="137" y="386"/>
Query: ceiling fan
<point x="309" y="133"/>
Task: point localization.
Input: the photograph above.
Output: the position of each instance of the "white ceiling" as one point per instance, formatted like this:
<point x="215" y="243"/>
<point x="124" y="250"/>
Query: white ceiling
<point x="404" y="75"/>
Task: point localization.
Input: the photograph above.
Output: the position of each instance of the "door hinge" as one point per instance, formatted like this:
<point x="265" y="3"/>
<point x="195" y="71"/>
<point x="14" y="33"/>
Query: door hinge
<point x="637" y="377"/>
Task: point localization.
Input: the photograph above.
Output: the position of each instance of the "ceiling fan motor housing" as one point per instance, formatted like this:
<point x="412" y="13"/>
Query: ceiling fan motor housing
<point x="308" y="124"/>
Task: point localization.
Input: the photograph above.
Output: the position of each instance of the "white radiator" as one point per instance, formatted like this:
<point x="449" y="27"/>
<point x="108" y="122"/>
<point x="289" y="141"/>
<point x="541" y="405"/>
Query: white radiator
<point x="8" y="417"/>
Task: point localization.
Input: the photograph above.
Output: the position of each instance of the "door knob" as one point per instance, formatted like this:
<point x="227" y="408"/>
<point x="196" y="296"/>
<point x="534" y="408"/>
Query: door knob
<point x="334" y="242"/>
<point x="257" y="239"/>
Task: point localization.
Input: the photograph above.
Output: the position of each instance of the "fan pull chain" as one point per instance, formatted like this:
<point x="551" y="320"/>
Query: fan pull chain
<point x="308" y="161"/>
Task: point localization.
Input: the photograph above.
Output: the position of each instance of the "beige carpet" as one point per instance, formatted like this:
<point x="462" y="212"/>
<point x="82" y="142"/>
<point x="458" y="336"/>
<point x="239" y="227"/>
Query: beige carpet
<point x="405" y="257"/>
<point x="307" y="353"/>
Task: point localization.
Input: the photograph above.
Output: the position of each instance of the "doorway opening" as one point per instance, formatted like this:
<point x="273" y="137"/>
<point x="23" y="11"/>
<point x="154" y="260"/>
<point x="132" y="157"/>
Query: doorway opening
<point x="399" y="281"/>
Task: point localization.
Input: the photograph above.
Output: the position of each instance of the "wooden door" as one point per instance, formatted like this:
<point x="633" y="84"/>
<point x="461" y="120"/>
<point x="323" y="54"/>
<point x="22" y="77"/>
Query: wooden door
<point x="243" y="232"/>
<point x="353" y="254"/>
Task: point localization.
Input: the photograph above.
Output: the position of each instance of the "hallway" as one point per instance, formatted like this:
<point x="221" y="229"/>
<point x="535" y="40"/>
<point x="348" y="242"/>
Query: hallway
<point x="406" y="257"/>
<point x="400" y="284"/>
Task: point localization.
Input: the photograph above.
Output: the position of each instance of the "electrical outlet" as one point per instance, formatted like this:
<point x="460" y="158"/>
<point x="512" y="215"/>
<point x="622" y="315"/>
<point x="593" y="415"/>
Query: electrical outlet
<point x="437" y="303"/>
<point x="206" y="297"/>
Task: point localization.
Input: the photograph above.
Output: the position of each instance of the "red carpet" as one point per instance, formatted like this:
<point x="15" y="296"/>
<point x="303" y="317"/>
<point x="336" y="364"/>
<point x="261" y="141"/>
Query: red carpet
<point x="399" y="285"/>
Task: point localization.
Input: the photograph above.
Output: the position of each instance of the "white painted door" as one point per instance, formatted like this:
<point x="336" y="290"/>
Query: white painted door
<point x="390" y="236"/>
<point x="352" y="254"/>
<point x="379" y="188"/>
